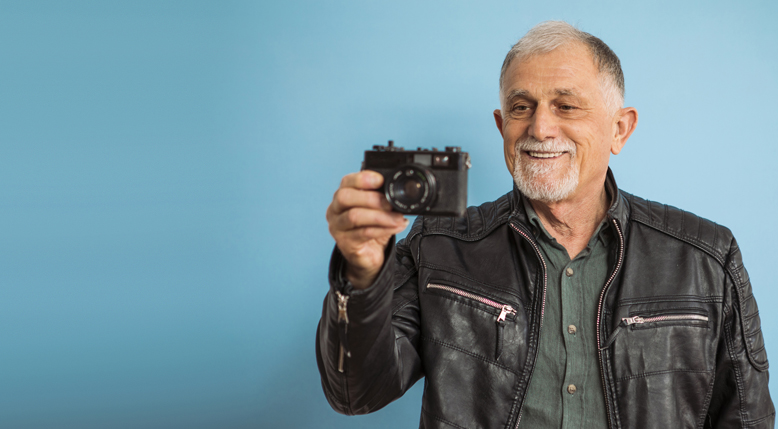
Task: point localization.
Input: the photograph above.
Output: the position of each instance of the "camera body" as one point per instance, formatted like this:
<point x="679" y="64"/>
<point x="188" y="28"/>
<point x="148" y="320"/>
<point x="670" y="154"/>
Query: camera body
<point x="423" y="181"/>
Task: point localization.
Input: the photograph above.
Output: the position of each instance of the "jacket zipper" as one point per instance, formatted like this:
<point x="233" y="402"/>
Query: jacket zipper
<point x="637" y="320"/>
<point x="342" y="329"/>
<point x="504" y="310"/>
<point x="599" y="317"/>
<point x="542" y="309"/>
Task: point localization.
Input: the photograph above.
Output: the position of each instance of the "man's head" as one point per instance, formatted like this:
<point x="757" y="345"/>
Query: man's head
<point x="561" y="94"/>
<point x="550" y="35"/>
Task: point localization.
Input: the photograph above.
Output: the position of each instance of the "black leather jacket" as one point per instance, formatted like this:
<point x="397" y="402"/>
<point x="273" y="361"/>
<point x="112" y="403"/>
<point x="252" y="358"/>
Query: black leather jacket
<point x="438" y="310"/>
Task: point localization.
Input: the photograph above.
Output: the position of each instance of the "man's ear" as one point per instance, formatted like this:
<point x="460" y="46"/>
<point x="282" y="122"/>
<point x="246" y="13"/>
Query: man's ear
<point x="498" y="119"/>
<point x="623" y="126"/>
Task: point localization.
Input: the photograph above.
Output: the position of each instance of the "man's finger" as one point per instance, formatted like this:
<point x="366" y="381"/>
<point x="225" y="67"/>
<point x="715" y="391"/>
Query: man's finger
<point x="362" y="180"/>
<point x="361" y="235"/>
<point x="346" y="198"/>
<point x="360" y="218"/>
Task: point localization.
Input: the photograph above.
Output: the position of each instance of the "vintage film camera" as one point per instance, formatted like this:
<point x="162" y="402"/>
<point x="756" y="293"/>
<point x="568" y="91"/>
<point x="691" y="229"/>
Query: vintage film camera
<point x="422" y="181"/>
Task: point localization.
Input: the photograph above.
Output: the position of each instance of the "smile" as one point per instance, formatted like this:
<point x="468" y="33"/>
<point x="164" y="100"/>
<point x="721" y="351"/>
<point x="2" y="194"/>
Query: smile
<point x="544" y="154"/>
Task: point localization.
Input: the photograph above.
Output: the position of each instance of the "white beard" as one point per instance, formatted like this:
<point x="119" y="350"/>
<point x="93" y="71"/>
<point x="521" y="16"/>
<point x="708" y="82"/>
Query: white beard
<point x="536" y="179"/>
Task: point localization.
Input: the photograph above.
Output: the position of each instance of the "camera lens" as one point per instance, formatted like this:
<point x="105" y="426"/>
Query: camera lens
<point x="411" y="189"/>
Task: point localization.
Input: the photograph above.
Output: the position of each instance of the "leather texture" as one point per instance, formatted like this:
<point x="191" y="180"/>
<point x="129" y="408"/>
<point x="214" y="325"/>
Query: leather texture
<point x="672" y="373"/>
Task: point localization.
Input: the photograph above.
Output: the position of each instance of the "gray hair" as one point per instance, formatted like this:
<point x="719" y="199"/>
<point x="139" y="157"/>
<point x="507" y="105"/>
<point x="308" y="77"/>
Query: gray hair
<point x="547" y="36"/>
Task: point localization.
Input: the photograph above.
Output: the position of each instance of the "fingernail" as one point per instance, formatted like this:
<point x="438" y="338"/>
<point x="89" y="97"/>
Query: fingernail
<point x="372" y="179"/>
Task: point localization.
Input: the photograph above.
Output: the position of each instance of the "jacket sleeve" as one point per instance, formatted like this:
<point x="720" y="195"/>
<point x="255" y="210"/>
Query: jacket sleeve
<point x="379" y="334"/>
<point x="740" y="396"/>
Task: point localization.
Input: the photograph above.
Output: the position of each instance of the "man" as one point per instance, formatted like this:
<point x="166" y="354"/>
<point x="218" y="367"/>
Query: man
<point x="565" y="303"/>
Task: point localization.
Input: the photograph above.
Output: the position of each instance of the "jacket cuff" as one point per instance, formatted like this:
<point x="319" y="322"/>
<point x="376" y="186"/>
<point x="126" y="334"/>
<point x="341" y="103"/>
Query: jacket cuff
<point x="339" y="282"/>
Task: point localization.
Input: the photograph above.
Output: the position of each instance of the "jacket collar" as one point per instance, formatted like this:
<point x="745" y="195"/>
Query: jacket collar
<point x="619" y="208"/>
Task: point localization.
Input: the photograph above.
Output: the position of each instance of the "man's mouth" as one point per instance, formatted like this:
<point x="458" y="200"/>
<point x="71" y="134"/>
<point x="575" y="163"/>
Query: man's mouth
<point x="544" y="154"/>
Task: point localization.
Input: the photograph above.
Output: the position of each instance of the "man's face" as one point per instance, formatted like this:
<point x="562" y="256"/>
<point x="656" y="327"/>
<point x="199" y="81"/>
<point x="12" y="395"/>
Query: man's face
<point x="557" y="131"/>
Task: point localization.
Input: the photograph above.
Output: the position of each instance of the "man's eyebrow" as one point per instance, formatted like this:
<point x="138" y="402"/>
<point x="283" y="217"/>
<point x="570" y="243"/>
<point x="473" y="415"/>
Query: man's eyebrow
<point x="523" y="93"/>
<point x="566" y="92"/>
<point x="517" y="93"/>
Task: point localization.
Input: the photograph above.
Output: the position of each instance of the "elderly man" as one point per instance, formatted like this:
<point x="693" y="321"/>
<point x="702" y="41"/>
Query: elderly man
<point x="565" y="303"/>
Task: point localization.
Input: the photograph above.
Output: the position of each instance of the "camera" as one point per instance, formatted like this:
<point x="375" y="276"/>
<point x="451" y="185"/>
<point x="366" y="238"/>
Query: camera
<point x="422" y="181"/>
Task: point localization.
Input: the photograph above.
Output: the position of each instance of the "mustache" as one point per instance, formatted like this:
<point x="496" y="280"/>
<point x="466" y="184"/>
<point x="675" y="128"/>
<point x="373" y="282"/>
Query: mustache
<point x="549" y="145"/>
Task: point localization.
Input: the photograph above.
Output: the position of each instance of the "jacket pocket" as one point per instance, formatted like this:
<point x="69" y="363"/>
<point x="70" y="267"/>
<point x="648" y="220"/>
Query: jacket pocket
<point x="653" y="319"/>
<point x="670" y="317"/>
<point x="666" y="358"/>
<point x="503" y="312"/>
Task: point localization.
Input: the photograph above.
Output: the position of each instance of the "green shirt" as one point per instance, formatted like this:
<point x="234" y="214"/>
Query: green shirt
<point x="566" y="389"/>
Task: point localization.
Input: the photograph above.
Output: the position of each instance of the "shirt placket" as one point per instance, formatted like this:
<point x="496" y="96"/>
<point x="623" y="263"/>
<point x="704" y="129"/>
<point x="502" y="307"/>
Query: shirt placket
<point x="572" y="321"/>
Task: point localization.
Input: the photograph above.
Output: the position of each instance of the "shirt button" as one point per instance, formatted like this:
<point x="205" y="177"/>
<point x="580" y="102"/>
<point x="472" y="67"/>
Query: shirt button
<point x="571" y="389"/>
<point x="571" y="329"/>
<point x="569" y="272"/>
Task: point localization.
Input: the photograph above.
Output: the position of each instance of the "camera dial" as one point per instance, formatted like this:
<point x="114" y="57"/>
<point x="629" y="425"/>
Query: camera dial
<point x="411" y="188"/>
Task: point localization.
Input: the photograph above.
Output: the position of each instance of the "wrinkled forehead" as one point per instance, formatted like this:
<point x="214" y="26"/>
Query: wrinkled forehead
<point x="565" y="71"/>
<point x="570" y="48"/>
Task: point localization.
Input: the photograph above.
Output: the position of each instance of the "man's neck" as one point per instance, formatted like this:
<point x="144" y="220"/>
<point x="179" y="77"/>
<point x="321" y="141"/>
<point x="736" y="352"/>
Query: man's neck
<point x="573" y="222"/>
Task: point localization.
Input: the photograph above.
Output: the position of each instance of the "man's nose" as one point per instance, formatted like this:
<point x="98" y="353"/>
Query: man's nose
<point x="544" y="124"/>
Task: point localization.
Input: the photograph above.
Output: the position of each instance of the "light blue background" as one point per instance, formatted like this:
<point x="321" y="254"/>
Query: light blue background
<point x="165" y="168"/>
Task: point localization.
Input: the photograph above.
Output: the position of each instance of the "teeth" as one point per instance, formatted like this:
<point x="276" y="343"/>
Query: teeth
<point x="545" y="154"/>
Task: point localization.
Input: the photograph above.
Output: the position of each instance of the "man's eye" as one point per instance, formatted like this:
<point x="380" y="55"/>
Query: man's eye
<point x="567" y="107"/>
<point x="520" y="108"/>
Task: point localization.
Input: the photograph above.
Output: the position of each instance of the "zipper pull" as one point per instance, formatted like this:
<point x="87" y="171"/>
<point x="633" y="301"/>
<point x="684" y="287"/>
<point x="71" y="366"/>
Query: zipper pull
<point x="632" y="320"/>
<point x="504" y="313"/>
<point x="617" y="331"/>
<point x="342" y="329"/>
<point x="625" y="321"/>
<point x="342" y="304"/>
<point x="500" y="325"/>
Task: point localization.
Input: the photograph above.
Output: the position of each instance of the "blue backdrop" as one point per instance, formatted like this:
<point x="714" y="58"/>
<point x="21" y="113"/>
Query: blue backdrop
<point x="165" y="168"/>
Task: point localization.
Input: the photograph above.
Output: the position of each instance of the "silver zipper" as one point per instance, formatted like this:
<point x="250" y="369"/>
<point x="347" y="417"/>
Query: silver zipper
<point x="599" y="317"/>
<point x="637" y="320"/>
<point x="342" y="324"/>
<point x="504" y="313"/>
<point x="542" y="309"/>
<point x="504" y="309"/>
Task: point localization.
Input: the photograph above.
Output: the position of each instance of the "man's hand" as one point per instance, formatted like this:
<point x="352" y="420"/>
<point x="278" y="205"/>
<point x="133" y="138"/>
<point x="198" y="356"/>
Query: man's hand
<point x="362" y="222"/>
